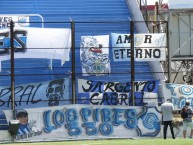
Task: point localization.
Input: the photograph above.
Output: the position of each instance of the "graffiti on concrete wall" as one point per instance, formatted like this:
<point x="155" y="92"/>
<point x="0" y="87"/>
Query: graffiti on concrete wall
<point x="87" y="121"/>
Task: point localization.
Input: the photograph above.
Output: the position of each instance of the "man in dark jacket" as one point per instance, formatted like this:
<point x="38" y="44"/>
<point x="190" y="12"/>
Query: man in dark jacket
<point x="187" y="121"/>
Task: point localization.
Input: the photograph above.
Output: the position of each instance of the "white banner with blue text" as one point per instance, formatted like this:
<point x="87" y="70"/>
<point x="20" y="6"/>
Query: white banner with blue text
<point x="178" y="93"/>
<point x="20" y="21"/>
<point x="46" y="43"/>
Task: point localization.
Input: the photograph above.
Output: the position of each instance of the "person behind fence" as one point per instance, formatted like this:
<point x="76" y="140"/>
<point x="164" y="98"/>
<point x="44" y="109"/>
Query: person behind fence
<point x="24" y="128"/>
<point x="167" y="116"/>
<point x="186" y="114"/>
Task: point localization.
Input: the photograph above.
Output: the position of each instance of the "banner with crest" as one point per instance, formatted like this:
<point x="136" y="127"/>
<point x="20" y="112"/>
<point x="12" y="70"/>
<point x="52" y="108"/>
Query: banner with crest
<point x="94" y="55"/>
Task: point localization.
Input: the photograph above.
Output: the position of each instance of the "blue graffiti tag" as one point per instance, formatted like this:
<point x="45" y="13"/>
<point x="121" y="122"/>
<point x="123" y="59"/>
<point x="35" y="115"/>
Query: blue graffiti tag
<point x="150" y="121"/>
<point x="95" y="121"/>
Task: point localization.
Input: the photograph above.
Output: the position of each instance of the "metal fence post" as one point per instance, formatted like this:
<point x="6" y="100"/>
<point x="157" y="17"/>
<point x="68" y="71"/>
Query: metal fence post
<point x="132" y="63"/>
<point x="169" y="54"/>
<point x="12" y="65"/>
<point x="73" y="62"/>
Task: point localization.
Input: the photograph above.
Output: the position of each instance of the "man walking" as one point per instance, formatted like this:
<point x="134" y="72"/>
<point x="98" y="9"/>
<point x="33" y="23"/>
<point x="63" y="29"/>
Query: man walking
<point x="167" y="114"/>
<point x="186" y="114"/>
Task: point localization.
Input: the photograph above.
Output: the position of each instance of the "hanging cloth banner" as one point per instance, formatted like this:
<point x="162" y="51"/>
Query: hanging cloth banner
<point x="94" y="55"/>
<point x="47" y="43"/>
<point x="117" y="93"/>
<point x="148" y="47"/>
<point x="42" y="94"/>
<point x="178" y="93"/>
<point x="20" y="21"/>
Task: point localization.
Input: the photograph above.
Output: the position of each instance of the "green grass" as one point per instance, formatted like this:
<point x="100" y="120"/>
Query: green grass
<point x="149" y="141"/>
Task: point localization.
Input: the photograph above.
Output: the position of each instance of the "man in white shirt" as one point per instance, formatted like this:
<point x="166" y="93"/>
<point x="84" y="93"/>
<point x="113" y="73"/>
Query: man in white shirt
<point x="167" y="114"/>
